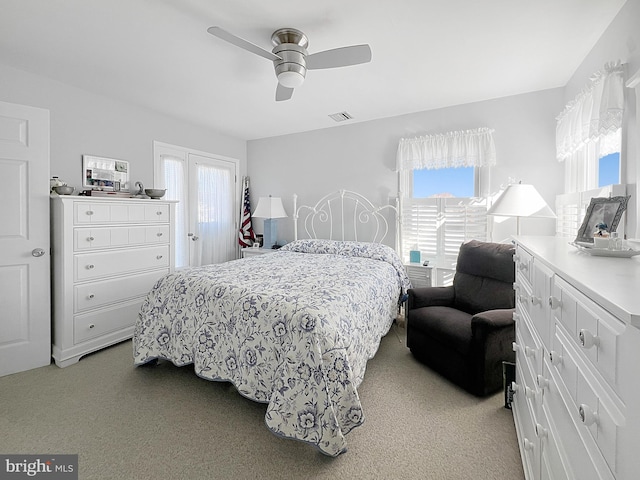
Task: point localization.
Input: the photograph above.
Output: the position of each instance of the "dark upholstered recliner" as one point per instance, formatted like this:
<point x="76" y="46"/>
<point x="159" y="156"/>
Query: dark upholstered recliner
<point x="465" y="331"/>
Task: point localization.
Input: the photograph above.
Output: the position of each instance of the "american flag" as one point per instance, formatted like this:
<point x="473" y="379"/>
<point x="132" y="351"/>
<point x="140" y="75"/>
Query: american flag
<point x="246" y="235"/>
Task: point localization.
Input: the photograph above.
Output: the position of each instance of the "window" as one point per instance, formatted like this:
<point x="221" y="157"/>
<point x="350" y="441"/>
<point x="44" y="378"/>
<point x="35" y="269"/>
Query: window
<point x="609" y="169"/>
<point x="443" y="180"/>
<point x="442" y="213"/>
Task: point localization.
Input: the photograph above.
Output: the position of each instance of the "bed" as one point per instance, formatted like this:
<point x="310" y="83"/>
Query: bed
<point x="293" y="329"/>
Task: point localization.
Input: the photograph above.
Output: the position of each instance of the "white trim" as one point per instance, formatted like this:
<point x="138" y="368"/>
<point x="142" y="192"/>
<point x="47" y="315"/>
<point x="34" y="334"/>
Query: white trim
<point x="634" y="80"/>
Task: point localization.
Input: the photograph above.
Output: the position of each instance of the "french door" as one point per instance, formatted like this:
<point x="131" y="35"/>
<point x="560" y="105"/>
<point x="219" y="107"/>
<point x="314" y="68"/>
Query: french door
<point x="207" y="214"/>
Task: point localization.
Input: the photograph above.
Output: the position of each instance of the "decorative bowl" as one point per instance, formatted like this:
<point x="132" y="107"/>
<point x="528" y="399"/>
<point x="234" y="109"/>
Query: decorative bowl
<point x="155" y="192"/>
<point x="63" y="190"/>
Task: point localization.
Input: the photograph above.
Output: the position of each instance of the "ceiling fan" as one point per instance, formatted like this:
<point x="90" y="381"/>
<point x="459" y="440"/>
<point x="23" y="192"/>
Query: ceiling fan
<point x="291" y="59"/>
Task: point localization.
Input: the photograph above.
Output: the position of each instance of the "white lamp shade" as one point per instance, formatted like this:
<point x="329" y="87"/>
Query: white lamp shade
<point x="521" y="200"/>
<point x="269" y="207"/>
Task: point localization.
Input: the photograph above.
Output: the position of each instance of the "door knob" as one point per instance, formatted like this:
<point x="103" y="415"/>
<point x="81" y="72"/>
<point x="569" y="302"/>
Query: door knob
<point x="37" y="252"/>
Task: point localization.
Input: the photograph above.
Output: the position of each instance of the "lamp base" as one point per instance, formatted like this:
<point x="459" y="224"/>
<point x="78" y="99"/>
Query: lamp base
<point x="270" y="233"/>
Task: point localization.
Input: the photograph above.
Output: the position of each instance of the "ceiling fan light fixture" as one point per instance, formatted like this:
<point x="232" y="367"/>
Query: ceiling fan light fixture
<point x="290" y="79"/>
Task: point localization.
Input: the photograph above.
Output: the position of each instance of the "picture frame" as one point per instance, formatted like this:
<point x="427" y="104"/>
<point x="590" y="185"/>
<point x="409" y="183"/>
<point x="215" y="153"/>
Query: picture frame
<point x="601" y="210"/>
<point x="108" y="174"/>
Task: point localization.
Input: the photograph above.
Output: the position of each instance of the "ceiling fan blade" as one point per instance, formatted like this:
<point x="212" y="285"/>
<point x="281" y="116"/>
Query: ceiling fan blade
<point x="339" y="57"/>
<point x="283" y="93"/>
<point x="244" y="44"/>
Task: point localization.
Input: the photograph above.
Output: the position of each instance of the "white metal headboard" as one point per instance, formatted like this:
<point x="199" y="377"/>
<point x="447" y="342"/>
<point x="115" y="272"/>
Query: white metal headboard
<point x="329" y="216"/>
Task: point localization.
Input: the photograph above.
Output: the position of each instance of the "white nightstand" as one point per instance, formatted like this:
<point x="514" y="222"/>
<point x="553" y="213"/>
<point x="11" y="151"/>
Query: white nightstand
<point x="251" y="251"/>
<point x="419" y="275"/>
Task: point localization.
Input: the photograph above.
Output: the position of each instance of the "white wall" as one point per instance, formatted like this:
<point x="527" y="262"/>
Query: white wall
<point x="621" y="41"/>
<point x="361" y="157"/>
<point x="86" y="123"/>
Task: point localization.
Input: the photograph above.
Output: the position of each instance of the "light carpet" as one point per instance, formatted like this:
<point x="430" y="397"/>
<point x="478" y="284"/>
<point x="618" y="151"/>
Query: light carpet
<point x="164" y="422"/>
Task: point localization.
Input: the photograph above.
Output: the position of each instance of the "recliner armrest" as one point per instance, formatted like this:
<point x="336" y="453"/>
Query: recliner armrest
<point x="431" y="297"/>
<point x="493" y="319"/>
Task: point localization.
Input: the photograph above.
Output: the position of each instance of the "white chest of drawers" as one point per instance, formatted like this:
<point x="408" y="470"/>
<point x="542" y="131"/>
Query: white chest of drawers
<point x="107" y="254"/>
<point x="577" y="391"/>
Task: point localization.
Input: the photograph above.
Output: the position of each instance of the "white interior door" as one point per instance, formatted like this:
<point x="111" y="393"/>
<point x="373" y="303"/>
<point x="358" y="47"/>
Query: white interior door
<point x="212" y="210"/>
<point x="25" y="313"/>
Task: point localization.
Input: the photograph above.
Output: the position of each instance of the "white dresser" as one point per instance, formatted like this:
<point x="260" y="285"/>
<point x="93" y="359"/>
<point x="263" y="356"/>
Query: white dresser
<point x="106" y="255"/>
<point x="576" y="404"/>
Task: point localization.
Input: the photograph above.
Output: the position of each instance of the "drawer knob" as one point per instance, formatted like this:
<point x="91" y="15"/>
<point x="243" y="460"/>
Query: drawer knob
<point x="158" y="257"/>
<point x="529" y="352"/>
<point x="159" y="234"/>
<point x="523" y="266"/>
<point x="528" y="445"/>
<point x="91" y="239"/>
<point x="541" y="432"/>
<point x="554" y="303"/>
<point x="587" y="415"/>
<point x="588" y="339"/>
<point x="515" y="316"/>
<point x="90" y="296"/>
<point x="535" y="300"/>
<point x="528" y="392"/>
<point x="555" y="358"/>
<point x="158" y="213"/>
<point x="516" y="287"/>
<point x="89" y="212"/>
<point x="92" y="326"/>
<point x="90" y="266"/>
<point x="542" y="382"/>
<point x="515" y="347"/>
<point x="523" y="298"/>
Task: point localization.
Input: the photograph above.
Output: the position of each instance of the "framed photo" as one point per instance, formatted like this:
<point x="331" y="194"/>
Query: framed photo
<point x="603" y="214"/>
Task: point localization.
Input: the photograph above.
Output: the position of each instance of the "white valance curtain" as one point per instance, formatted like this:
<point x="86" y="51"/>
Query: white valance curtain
<point x="468" y="148"/>
<point x="594" y="114"/>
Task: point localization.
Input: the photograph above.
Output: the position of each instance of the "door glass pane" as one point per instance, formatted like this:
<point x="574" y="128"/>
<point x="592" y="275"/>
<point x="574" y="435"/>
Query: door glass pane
<point x="174" y="181"/>
<point x="215" y="213"/>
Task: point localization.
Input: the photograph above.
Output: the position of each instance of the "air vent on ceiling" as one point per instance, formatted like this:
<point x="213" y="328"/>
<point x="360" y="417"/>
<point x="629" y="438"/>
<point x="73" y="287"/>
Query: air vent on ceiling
<point x="340" y="117"/>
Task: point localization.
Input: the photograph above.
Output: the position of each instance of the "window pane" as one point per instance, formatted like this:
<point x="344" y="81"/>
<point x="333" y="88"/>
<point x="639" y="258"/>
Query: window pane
<point x="609" y="169"/>
<point x="444" y="182"/>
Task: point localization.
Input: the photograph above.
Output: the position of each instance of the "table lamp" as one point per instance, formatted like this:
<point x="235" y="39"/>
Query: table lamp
<point x="270" y="208"/>
<point x="520" y="200"/>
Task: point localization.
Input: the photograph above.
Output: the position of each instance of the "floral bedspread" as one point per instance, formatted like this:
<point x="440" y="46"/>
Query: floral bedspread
<point x="294" y="329"/>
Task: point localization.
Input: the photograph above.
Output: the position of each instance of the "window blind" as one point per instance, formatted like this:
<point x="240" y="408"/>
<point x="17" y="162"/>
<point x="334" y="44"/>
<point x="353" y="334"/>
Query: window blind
<point x="438" y="226"/>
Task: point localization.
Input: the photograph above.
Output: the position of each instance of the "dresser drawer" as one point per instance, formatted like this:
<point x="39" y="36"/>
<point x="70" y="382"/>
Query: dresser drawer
<point x="582" y="455"/>
<point x="522" y="294"/>
<point x="524" y="265"/>
<point x="595" y="331"/>
<point x="104" y="321"/>
<point x="527" y="346"/>
<point x="119" y="212"/>
<point x="525" y="420"/>
<point x="105" y="237"/>
<point x="89" y="266"/>
<point x="552" y="465"/>
<point x="104" y="292"/>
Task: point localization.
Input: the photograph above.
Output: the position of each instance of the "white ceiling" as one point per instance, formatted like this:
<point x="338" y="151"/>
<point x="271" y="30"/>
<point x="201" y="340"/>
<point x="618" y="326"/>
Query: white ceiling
<point x="426" y="54"/>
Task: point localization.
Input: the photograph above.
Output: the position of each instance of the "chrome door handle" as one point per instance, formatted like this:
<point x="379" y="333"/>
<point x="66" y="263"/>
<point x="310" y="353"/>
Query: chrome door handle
<point x="37" y="252"/>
